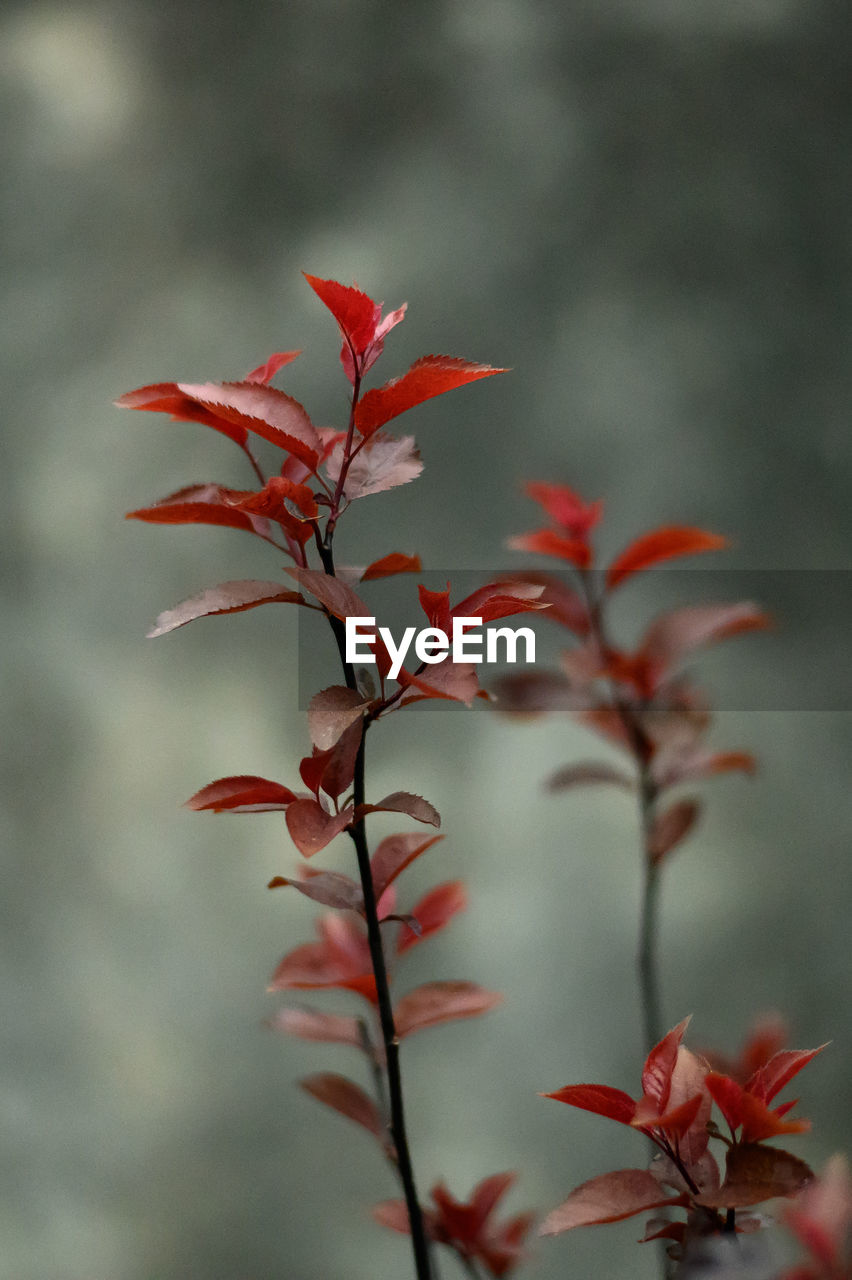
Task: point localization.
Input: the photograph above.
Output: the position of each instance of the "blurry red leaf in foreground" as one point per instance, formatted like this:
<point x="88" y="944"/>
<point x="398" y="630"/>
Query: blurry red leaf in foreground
<point x="660" y="544"/>
<point x="437" y="1002"/>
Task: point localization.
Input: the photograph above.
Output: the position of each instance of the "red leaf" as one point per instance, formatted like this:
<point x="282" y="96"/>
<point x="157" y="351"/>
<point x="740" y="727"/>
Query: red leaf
<point x="681" y="631"/>
<point x="396" y="562"/>
<point x="428" y="377"/>
<point x="394" y="854"/>
<point x="403" y="802"/>
<point x="311" y="828"/>
<point x="341" y="958"/>
<point x="547" y="542"/>
<point x="755" y="1173"/>
<point x="333" y="593"/>
<point x="456" y="681"/>
<point x="670" y="767"/>
<point x="393" y="1214"/>
<point x="331" y="712"/>
<point x="660" y="544"/>
<point x="346" y="1097"/>
<point x="311" y="1024"/>
<point x="434" y="910"/>
<point x="360" y="321"/>
<point x="228" y="597"/>
<point x="609" y="1198"/>
<point x="771" y="1078"/>
<point x="601" y="1099"/>
<point x="581" y="775"/>
<point x="660" y="1064"/>
<point x="167" y="397"/>
<point x="327" y="887"/>
<point x="382" y="463"/>
<point x="437" y="1002"/>
<point x="565" y="508"/>
<point x="687" y="1080"/>
<point x="821" y="1215"/>
<point x="670" y="827"/>
<point x="567" y="606"/>
<point x="500" y="600"/>
<point x="339" y="770"/>
<point x="743" y="1109"/>
<point x="242" y="794"/>
<point x="267" y="371"/>
<point x="265" y="411"/>
<point x="203" y="504"/>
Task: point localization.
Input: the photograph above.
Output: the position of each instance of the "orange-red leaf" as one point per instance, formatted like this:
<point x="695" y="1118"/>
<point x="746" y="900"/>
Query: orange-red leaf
<point x="771" y="1078"/>
<point x="547" y="542"/>
<point x="203" y="504"/>
<point x="388" y="565"/>
<point x="266" y="372"/>
<point x="601" y="1099"/>
<point x="265" y="411"/>
<point x="660" y="1064"/>
<point x="437" y="1002"/>
<point x="434" y="910"/>
<point x="245" y="793"/>
<point x="658" y="545"/>
<point x="428" y="377"/>
<point x="228" y="597"/>
<point x="609" y="1198"/>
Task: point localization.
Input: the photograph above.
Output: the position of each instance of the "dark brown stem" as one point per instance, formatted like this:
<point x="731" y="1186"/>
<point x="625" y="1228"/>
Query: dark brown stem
<point x="419" y="1239"/>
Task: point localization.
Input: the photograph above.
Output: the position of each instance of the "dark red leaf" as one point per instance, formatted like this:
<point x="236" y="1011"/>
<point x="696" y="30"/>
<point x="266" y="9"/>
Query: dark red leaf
<point x="581" y="775"/>
<point x="203" y="504"/>
<point x="658" y="545"/>
<point x="265" y="411"/>
<point x="403" y="802"/>
<point x="242" y="794"/>
<point x="167" y="397"/>
<point x="670" y="827"/>
<point x="394" y="854"/>
<point x="337" y="597"/>
<point x="428" y="377"/>
<point x="771" y="1078"/>
<point x="388" y="565"/>
<point x="602" y="1099"/>
<point x="681" y="631"/>
<point x="267" y="371"/>
<point x="346" y="1097"/>
<point x="609" y="1198"/>
<point x="565" y="508"/>
<point x="228" y="597"/>
<point x="330" y="888"/>
<point x="437" y="1002"/>
<point x="660" y="1064"/>
<point x="755" y="1173"/>
<point x="311" y="828"/>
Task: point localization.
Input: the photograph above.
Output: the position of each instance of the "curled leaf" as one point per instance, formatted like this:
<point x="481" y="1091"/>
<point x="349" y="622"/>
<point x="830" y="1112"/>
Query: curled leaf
<point x="244" y="793"/>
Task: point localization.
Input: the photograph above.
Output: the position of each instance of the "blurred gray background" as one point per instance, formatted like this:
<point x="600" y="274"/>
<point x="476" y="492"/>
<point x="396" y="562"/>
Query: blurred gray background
<point x="642" y="206"/>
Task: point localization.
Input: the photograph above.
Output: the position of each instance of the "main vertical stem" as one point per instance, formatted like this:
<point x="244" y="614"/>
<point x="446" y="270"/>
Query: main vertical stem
<point x="649" y="983"/>
<point x="419" y="1239"/>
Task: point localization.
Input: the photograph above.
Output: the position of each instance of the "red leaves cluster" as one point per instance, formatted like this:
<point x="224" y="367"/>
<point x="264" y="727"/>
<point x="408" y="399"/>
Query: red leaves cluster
<point x="673" y="1110"/>
<point x="469" y="1226"/>
<point x="639" y="700"/>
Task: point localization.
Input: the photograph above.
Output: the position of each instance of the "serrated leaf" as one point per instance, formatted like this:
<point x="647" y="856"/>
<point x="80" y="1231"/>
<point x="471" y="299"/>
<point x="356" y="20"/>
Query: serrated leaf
<point x="266" y="372"/>
<point x="382" y="463"/>
<point x="330" y="888"/>
<point x="227" y="597"/>
<point x="336" y="595"/>
<point x="331" y="712"/>
<point x="403" y="802"/>
<point x="428" y="377"/>
<point x="264" y="411"/>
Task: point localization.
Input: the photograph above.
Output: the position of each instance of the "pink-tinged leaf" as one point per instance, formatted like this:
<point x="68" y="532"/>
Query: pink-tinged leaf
<point x="331" y="712"/>
<point x="771" y="1078"/>
<point x="658" y="545"/>
<point x="601" y="1099"/>
<point x="488" y="1194"/>
<point x="167" y="397"/>
<point x="393" y="1214"/>
<point x="567" y="606"/>
<point x="672" y="766"/>
<point x="228" y="597"/>
<point x="266" y="372"/>
<point x="340" y="770"/>
<point x="674" y="1122"/>
<point x="456" y="681"/>
<point x="311" y="1024"/>
<point x="437" y="1002"/>
<point x="673" y="635"/>
<point x="609" y="1198"/>
<point x="547" y="542"/>
<point x="265" y="411"/>
<point x="821" y="1215"/>
<point x="346" y="1097"/>
<point x="755" y="1173"/>
<point x="333" y="593"/>
<point x="403" y="802"/>
<point x="341" y="958"/>
<point x="743" y="1110"/>
<point x="533" y="692"/>
<point x="662" y="1229"/>
<point x="243" y="794"/>
<point x="391" y="564"/>
<point x="499" y="600"/>
<point x="670" y="827"/>
<point x="687" y="1080"/>
<point x="587" y="773"/>
<point x="311" y="828"/>
<point x="330" y="888"/>
<point x="382" y="463"/>
<point x="428" y="377"/>
<point x="433" y="912"/>
<point x="703" y="1172"/>
<point x="660" y="1064"/>
<point x="203" y="504"/>
<point x="394" y="854"/>
<point x="565" y="508"/>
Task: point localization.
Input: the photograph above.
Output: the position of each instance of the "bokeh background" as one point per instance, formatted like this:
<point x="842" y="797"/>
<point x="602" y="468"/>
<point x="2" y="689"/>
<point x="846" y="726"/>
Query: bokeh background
<point x="642" y="207"/>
